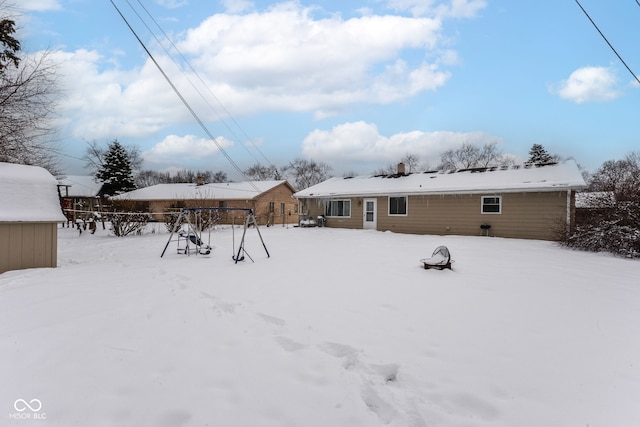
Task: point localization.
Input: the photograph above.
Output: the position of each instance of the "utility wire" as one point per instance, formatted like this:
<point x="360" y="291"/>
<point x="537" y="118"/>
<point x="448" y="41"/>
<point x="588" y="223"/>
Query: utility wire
<point x="201" y="81"/>
<point x="605" y="39"/>
<point x="184" y="101"/>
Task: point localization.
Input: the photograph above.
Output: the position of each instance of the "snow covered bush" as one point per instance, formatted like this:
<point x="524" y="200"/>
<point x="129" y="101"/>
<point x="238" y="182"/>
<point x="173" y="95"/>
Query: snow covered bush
<point x="170" y="219"/>
<point x="614" y="229"/>
<point x="125" y="223"/>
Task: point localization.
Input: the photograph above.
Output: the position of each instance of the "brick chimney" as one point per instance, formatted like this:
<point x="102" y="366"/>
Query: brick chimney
<point x="401" y="168"/>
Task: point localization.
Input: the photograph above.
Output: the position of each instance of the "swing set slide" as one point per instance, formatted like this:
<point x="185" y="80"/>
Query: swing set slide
<point x="192" y="237"/>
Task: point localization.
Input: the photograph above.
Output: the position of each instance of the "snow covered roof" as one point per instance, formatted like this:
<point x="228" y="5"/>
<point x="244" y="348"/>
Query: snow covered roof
<point x="559" y="176"/>
<point x="28" y="194"/>
<point x="81" y="186"/>
<point x="220" y="191"/>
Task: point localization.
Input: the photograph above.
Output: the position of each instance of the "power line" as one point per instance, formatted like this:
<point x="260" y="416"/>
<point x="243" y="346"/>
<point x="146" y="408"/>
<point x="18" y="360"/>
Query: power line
<point x="610" y="45"/>
<point x="228" y="113"/>
<point x="184" y="101"/>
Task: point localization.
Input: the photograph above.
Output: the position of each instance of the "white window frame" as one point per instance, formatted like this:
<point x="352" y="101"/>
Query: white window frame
<point x="335" y="201"/>
<point x="482" y="205"/>
<point x="406" y="206"/>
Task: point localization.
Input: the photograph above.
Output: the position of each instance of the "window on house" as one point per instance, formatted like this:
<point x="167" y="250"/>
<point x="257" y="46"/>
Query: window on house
<point x="295" y="208"/>
<point x="491" y="204"/>
<point x="338" y="208"/>
<point x="272" y="207"/>
<point x="281" y="208"/>
<point x="398" y="205"/>
<point x="222" y="204"/>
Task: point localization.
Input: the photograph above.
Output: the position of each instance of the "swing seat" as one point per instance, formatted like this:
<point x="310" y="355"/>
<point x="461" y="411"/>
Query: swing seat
<point x="195" y="240"/>
<point x="201" y="247"/>
<point x="440" y="259"/>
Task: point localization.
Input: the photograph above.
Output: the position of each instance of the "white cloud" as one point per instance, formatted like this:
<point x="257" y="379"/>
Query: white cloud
<point x="281" y="59"/>
<point x="455" y="8"/>
<point x="284" y="59"/>
<point x="360" y="143"/>
<point x="184" y="148"/>
<point x="589" y="84"/>
<point x="106" y="104"/>
<point x="237" y="6"/>
<point x="40" y="5"/>
<point x="172" y="4"/>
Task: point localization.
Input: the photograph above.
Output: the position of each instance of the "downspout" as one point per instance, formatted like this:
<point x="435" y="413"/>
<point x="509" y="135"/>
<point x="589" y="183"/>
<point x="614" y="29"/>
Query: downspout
<point x="568" y="211"/>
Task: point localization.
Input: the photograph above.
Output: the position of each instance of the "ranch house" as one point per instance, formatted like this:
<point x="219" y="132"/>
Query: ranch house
<point x="271" y="201"/>
<point x="527" y="202"/>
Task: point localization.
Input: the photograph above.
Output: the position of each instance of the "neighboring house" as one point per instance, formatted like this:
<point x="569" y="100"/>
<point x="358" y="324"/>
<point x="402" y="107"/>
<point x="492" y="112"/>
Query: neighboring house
<point x="531" y="202"/>
<point x="29" y="216"/>
<point x="271" y="201"/>
<point x="79" y="195"/>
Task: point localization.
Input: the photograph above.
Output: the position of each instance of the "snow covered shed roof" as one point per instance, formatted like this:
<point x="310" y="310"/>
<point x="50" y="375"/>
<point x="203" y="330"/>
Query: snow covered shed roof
<point x="80" y="186"/>
<point x="219" y="191"/>
<point x="553" y="177"/>
<point x="28" y="194"/>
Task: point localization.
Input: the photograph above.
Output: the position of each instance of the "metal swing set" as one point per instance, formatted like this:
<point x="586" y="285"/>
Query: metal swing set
<point x="192" y="236"/>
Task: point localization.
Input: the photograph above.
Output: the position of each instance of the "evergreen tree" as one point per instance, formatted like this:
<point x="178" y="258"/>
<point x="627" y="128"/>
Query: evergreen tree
<point x="115" y="172"/>
<point x="538" y="155"/>
<point x="10" y="46"/>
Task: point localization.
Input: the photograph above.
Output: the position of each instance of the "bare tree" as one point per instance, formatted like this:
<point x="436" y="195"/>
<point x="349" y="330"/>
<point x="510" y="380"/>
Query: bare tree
<point x="470" y="156"/>
<point x="306" y="173"/>
<point x="147" y="178"/>
<point x="489" y="155"/>
<point x="411" y="162"/>
<point x="389" y="170"/>
<point x="621" y="177"/>
<point x="27" y="101"/>
<point x="259" y="172"/>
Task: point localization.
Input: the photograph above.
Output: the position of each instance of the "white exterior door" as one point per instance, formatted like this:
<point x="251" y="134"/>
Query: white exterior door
<point x="369" y="214"/>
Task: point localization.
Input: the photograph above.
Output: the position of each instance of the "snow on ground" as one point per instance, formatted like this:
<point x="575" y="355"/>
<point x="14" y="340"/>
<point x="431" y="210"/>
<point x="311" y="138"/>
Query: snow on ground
<point x="336" y="328"/>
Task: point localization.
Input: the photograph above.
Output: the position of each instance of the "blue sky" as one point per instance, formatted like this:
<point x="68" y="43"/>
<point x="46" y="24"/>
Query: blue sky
<point x="354" y="84"/>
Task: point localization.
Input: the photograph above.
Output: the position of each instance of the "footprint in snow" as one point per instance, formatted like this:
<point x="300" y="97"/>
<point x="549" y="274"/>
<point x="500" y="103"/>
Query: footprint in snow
<point x="272" y="320"/>
<point x="289" y="344"/>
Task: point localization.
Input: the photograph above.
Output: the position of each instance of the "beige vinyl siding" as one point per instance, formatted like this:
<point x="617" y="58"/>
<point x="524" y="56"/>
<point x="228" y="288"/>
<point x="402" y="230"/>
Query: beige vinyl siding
<point x="282" y="193"/>
<point x="527" y="215"/>
<point x="316" y="208"/>
<point x="28" y="245"/>
<point x="524" y="215"/>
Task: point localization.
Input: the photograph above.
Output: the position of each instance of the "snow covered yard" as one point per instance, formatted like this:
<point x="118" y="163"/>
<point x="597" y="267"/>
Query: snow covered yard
<point x="337" y="328"/>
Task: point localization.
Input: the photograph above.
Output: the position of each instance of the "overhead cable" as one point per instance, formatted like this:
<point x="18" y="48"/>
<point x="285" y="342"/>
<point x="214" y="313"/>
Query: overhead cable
<point x="184" y="101"/>
<point x="227" y="112"/>
<point x="610" y="45"/>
